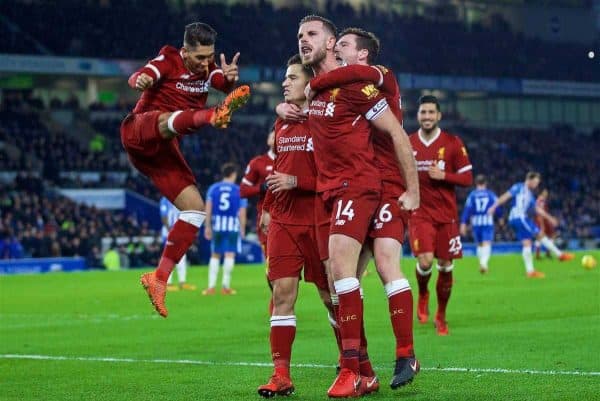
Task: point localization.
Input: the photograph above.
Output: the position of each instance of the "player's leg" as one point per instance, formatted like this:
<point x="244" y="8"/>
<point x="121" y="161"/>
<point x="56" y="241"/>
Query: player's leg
<point x="180" y="237"/>
<point x="443" y="290"/>
<point x="388" y="252"/>
<point x="282" y="334"/>
<point x="422" y="236"/>
<point x="551" y="246"/>
<point x="526" y="232"/>
<point x="213" y="264"/>
<point x="228" y="264"/>
<point x="486" y="252"/>
<point x="183" y="122"/>
<point x="182" y="267"/>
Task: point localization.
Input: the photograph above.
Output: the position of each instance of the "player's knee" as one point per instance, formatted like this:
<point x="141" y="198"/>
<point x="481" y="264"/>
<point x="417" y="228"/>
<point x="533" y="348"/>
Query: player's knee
<point x="163" y="126"/>
<point x="425" y="262"/>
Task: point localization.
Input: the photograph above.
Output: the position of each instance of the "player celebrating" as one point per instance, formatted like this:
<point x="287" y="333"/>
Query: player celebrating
<point x="253" y="183"/>
<point x="348" y="181"/>
<point x="358" y="48"/>
<point x="519" y="218"/>
<point x="175" y="87"/>
<point x="226" y="212"/>
<point x="168" y="216"/>
<point x="476" y="211"/>
<point x="289" y="217"/>
<point x="443" y="163"/>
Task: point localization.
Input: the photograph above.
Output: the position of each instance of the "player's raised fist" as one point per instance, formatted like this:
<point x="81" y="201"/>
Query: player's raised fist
<point x="143" y="82"/>
<point x="230" y="70"/>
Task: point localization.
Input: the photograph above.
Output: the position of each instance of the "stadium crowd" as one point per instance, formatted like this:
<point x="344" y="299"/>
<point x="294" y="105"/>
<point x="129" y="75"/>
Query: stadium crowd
<point x="102" y="27"/>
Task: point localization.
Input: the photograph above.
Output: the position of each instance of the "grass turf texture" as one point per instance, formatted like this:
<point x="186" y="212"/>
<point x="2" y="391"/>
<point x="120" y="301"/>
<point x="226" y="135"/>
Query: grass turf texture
<point x="498" y="321"/>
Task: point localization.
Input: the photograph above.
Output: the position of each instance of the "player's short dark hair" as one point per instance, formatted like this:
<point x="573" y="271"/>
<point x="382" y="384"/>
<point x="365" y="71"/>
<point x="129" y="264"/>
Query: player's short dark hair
<point x="364" y="40"/>
<point x="296" y="59"/>
<point x="228" y="168"/>
<point x="532" y="174"/>
<point x="199" y="33"/>
<point x="329" y="26"/>
<point x="480" y="179"/>
<point x="430" y="99"/>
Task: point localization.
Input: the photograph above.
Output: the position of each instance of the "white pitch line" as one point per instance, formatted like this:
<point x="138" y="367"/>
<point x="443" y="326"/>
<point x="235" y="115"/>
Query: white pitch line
<point x="297" y="365"/>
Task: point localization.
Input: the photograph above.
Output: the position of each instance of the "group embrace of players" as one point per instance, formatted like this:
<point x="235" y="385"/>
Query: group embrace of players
<point x="345" y="184"/>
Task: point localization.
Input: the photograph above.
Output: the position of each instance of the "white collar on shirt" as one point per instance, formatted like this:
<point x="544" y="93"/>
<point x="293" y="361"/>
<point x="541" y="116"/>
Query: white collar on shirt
<point x="432" y="140"/>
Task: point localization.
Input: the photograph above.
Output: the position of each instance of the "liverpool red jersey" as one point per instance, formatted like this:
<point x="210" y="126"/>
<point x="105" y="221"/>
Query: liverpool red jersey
<point x="438" y="198"/>
<point x="256" y="172"/>
<point x="385" y="156"/>
<point x="294" y="156"/>
<point x="175" y="87"/>
<point x="339" y="122"/>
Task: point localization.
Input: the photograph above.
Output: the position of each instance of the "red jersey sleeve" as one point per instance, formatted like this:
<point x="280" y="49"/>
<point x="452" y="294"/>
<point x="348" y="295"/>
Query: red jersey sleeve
<point x="161" y="65"/>
<point x="347" y="75"/>
<point x="217" y="79"/>
<point x="250" y="185"/>
<point x="367" y="100"/>
<point x="462" y="170"/>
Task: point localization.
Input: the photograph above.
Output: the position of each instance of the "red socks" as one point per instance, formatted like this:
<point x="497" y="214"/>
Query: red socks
<point x="180" y="238"/>
<point x="187" y="121"/>
<point x="283" y="333"/>
<point x="443" y="288"/>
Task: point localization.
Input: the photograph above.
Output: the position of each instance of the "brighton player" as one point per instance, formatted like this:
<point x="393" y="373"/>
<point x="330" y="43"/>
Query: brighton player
<point x="475" y="212"/>
<point x="290" y="218"/>
<point x="168" y="216"/>
<point x="358" y="49"/>
<point x="226" y="212"/>
<point x="253" y="183"/>
<point x="520" y="219"/>
<point x="340" y="121"/>
<point x="443" y="163"/>
<point x="175" y="87"/>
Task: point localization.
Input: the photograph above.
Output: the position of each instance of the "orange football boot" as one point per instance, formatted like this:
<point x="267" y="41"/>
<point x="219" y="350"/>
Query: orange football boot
<point x="233" y="101"/>
<point x="565" y="256"/>
<point x="277" y="385"/>
<point x="156" y="291"/>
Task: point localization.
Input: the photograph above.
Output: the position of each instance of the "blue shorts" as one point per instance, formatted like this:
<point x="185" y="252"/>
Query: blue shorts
<point x="524" y="228"/>
<point x="483" y="233"/>
<point x="225" y="241"/>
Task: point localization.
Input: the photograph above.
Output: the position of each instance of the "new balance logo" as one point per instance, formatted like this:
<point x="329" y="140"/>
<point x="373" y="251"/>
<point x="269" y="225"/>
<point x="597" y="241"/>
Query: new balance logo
<point x="340" y="222"/>
<point x="356" y="383"/>
<point x="372" y="382"/>
<point x="414" y="365"/>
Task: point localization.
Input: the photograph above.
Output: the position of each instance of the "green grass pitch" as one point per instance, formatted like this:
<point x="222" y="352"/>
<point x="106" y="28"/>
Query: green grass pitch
<point x="94" y="336"/>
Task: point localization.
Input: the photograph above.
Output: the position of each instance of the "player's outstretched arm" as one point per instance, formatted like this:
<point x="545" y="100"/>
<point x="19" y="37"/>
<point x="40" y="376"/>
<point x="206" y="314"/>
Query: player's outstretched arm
<point x="243" y="216"/>
<point x="347" y="75"/>
<point x="388" y="123"/>
<point x="505" y="197"/>
<point x="208" y="220"/>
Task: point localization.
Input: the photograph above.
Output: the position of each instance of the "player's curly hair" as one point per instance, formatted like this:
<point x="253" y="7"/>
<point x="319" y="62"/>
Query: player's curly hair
<point x="365" y="40"/>
<point x="329" y="26"/>
<point x="199" y="33"/>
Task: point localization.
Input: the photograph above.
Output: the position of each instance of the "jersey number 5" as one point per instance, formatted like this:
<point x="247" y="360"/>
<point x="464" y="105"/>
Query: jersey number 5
<point x="224" y="201"/>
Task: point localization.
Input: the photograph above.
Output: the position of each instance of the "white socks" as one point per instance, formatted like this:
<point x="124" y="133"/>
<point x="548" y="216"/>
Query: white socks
<point x="484" y="252"/>
<point x="213" y="271"/>
<point x="528" y="259"/>
<point x="550" y="246"/>
<point x="181" y="271"/>
<point x="227" y="268"/>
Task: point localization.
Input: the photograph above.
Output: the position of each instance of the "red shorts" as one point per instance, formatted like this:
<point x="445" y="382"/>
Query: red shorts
<point x="290" y="248"/>
<point x="545" y="227"/>
<point x="390" y="220"/>
<point x="352" y="211"/>
<point x="157" y="158"/>
<point x="442" y="239"/>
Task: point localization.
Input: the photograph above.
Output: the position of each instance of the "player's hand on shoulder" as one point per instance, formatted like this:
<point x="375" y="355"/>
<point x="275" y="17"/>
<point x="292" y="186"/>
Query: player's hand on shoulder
<point x="230" y="70"/>
<point x="309" y="93"/>
<point x="409" y="201"/>
<point x="290" y="112"/>
<point x="143" y="82"/>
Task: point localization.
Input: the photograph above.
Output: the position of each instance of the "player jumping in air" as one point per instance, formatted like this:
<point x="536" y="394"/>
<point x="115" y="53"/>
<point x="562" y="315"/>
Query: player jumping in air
<point x="174" y="89"/>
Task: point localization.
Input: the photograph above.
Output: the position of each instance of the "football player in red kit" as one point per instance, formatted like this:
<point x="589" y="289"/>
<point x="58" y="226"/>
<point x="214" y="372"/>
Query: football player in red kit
<point x="174" y="88"/>
<point x="442" y="163"/>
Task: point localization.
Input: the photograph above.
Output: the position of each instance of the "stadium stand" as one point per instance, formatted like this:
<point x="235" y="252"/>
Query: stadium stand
<point x="102" y="28"/>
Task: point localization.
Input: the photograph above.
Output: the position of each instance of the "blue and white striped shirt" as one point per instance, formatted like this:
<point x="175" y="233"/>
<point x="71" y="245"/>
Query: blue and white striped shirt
<point x="523" y="201"/>
<point x="476" y="208"/>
